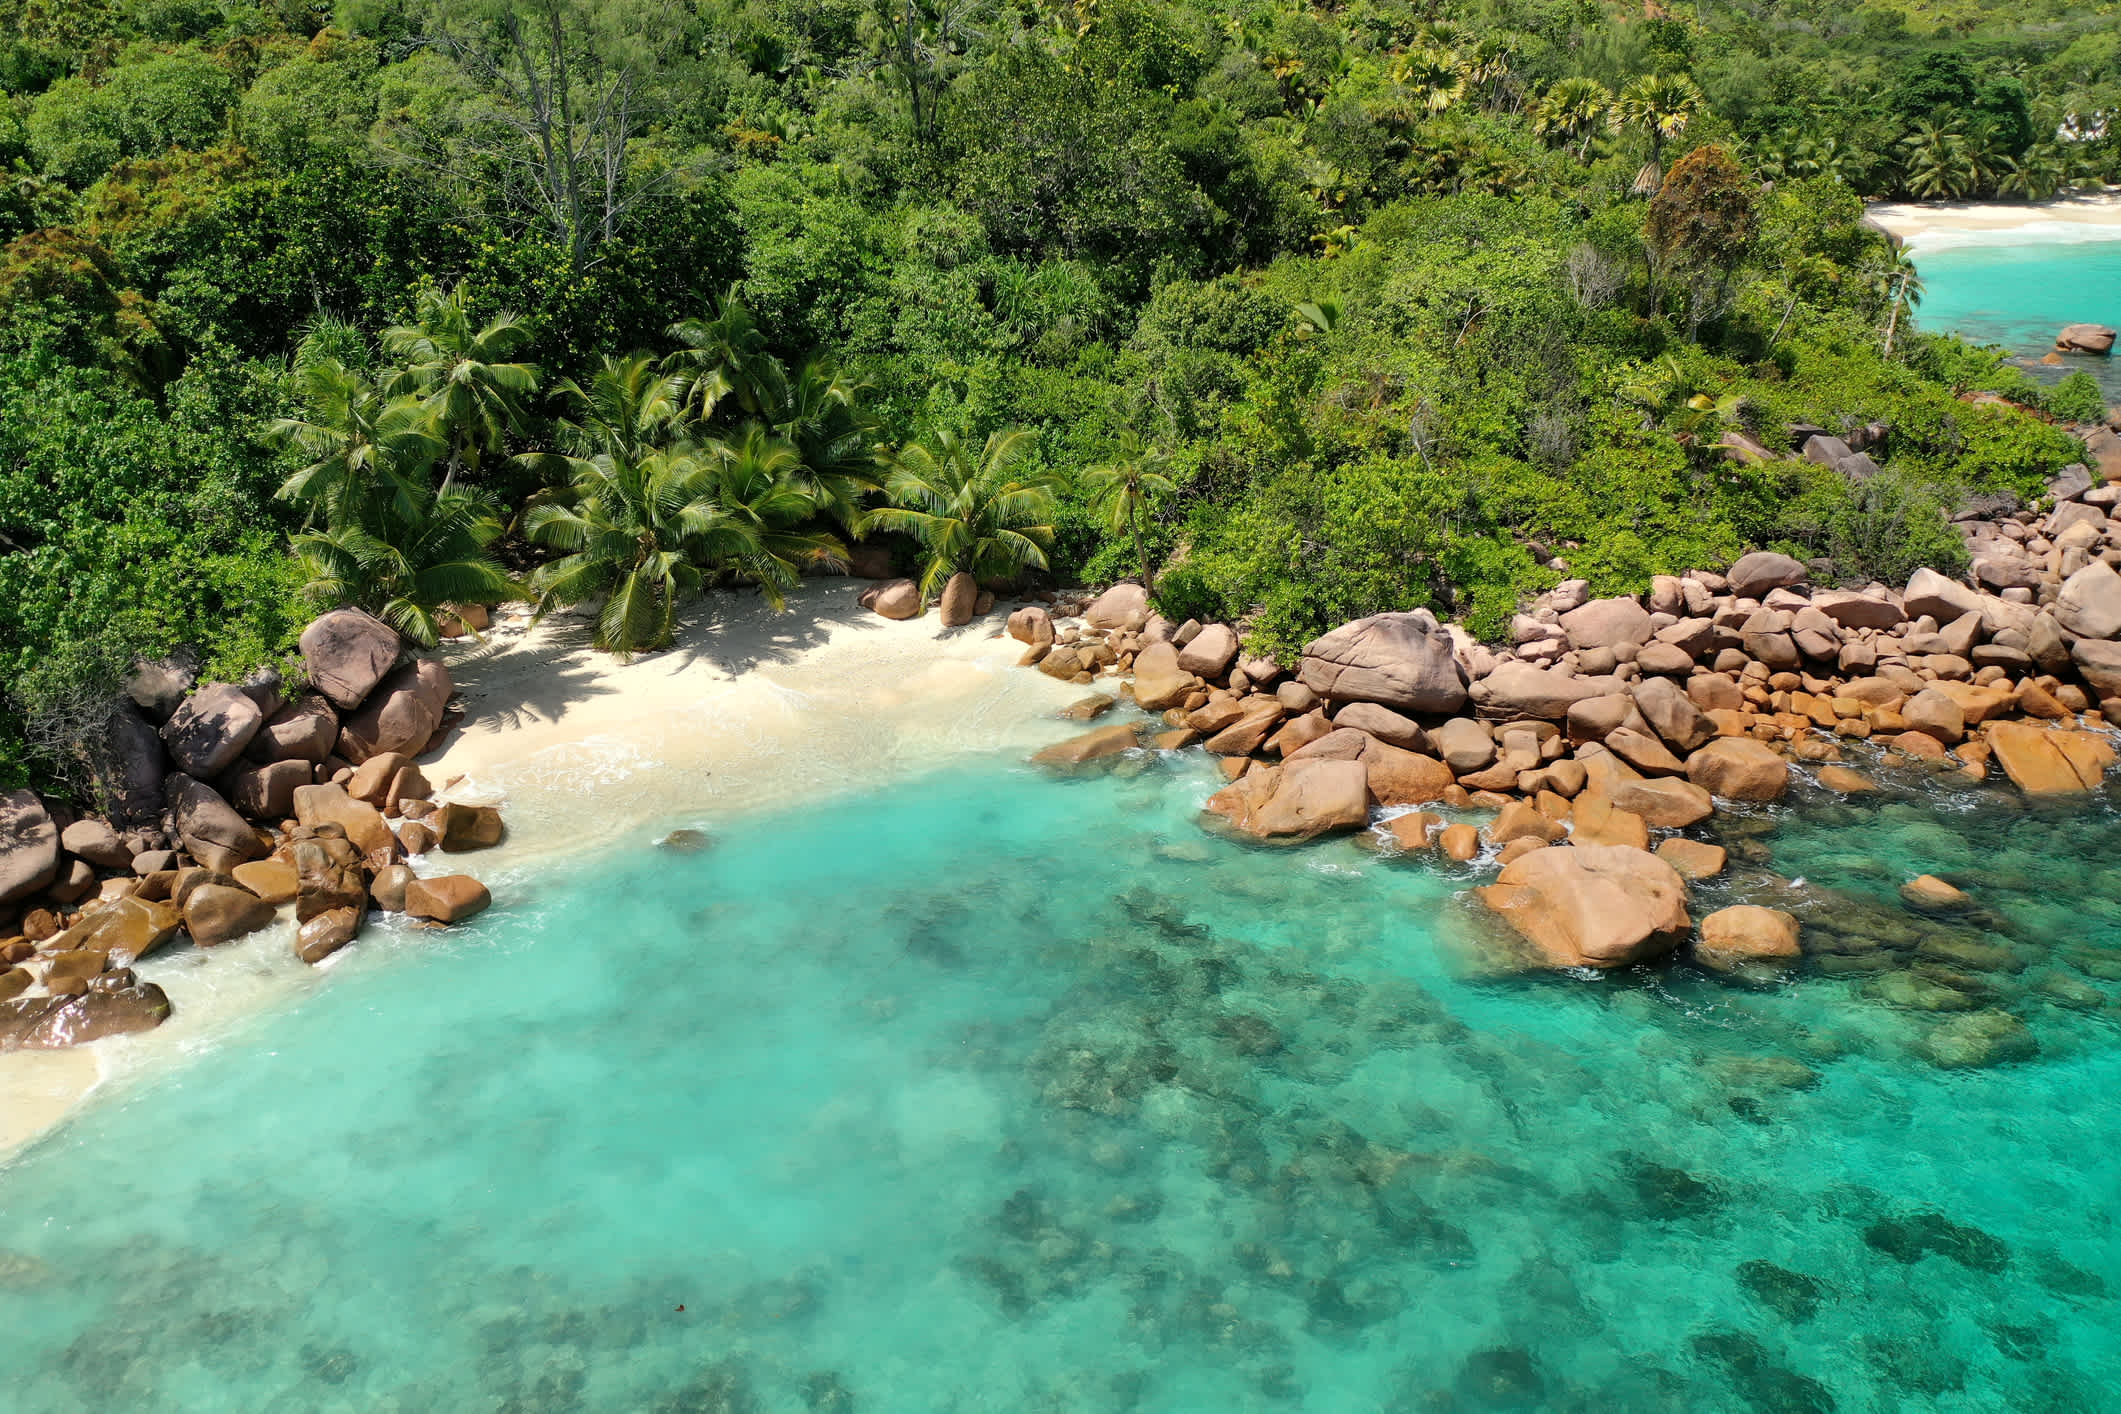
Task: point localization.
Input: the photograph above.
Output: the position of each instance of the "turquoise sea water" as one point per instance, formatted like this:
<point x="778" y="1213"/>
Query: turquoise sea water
<point x="2019" y="295"/>
<point x="996" y="1092"/>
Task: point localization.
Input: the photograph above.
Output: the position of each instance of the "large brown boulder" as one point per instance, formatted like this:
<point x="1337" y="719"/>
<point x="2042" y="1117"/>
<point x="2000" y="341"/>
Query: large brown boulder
<point x="125" y="929"/>
<point x="1665" y="803"/>
<point x="1159" y="682"/>
<point x="1386" y="725"/>
<point x="1672" y="714"/>
<point x="304" y="730"/>
<point x="215" y="913"/>
<point x="2099" y="660"/>
<point x="467" y="827"/>
<point x="348" y="653"/>
<point x="1592" y="905"/>
<point x="1854" y="609"/>
<point x="1256" y="720"/>
<point x="1123" y="606"/>
<point x="1945" y="600"/>
<point x="94" y="1015"/>
<point x="1517" y="689"/>
<point x="960" y="599"/>
<point x="209" y="827"/>
<point x="2085" y="339"/>
<point x="401" y="714"/>
<point x="1298" y="800"/>
<point x="328" y="875"/>
<point x="1756" y="574"/>
<point x="325" y="933"/>
<point x="95" y="841"/>
<point x="1607" y="623"/>
<point x="1400" y="777"/>
<point x="1747" y="938"/>
<point x="1211" y="652"/>
<point x="1464" y="744"/>
<point x="361" y="822"/>
<point x="273" y="880"/>
<point x="2089" y="605"/>
<point x="893" y="599"/>
<point x="1031" y="624"/>
<point x="129" y="769"/>
<point x="1403" y="661"/>
<point x="209" y="731"/>
<point x="29" y="846"/>
<point x="451" y="898"/>
<point x="265" y="792"/>
<point x="1739" y="768"/>
<point x="1090" y="747"/>
<point x="2044" y="762"/>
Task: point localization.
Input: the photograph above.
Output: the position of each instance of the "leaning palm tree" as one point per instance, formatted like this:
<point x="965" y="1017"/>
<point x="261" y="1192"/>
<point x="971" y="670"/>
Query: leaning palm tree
<point x="977" y="513"/>
<point x="1122" y="487"/>
<point x="363" y="447"/>
<point x="461" y="374"/>
<point x="1573" y="110"/>
<point x="405" y="568"/>
<point x="1661" y="107"/>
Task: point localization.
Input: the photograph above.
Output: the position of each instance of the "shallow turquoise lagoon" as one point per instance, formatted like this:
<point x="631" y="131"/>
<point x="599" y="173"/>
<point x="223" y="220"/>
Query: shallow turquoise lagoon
<point x="994" y="1092"/>
<point x="2020" y="295"/>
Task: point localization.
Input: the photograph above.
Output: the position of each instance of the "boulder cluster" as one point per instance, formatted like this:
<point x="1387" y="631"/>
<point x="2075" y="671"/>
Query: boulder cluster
<point x="1604" y="726"/>
<point x="224" y="803"/>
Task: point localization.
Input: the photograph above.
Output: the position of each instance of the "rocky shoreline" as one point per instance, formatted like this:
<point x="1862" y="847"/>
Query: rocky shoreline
<point x="228" y="806"/>
<point x="1597" y="742"/>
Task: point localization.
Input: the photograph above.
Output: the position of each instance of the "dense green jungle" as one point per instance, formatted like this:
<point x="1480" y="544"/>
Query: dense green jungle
<point x="1300" y="311"/>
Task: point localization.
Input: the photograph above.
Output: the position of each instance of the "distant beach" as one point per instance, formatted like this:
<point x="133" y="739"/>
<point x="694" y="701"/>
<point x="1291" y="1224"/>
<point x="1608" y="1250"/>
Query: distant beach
<point x="1934" y="225"/>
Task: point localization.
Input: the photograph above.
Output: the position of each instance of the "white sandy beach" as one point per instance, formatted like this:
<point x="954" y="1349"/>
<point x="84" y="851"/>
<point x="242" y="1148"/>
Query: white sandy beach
<point x="2064" y="218"/>
<point x="750" y="710"/>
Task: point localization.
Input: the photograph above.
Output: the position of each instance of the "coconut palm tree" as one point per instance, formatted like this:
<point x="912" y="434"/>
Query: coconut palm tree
<point x="404" y="567"/>
<point x="975" y="512"/>
<point x="720" y="358"/>
<point x="1661" y="107"/>
<point x="623" y="522"/>
<point x="1939" y="162"/>
<point x="1574" y="110"/>
<point x="630" y="407"/>
<point x="461" y="374"/>
<point x="818" y="411"/>
<point x="1122" y="487"/>
<point x="363" y="446"/>
<point x="750" y="509"/>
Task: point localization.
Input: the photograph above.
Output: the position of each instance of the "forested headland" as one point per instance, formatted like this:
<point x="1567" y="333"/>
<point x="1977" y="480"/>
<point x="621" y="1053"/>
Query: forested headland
<point x="1304" y="312"/>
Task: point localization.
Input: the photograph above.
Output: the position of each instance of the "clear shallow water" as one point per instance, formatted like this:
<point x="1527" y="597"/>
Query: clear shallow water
<point x="2021" y="295"/>
<point x="991" y="1092"/>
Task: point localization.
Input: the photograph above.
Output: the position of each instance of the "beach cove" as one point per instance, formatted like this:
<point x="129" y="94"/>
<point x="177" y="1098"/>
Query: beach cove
<point x="945" y="1082"/>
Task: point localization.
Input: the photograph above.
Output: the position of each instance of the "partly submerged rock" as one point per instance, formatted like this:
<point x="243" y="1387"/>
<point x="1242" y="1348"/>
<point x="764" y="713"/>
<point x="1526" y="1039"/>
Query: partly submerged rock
<point x="1299" y="800"/>
<point x="452" y="898"/>
<point x="1090" y="747"/>
<point x="1747" y="938"/>
<point x="1592" y="905"/>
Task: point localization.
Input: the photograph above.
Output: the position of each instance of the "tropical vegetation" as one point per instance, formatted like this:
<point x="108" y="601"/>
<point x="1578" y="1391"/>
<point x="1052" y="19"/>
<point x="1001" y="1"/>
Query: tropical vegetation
<point x="1296" y="312"/>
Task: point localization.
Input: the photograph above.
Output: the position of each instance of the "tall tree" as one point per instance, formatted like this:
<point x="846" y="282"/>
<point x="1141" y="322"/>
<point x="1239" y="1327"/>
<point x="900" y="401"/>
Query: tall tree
<point x="1123" y="487"/>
